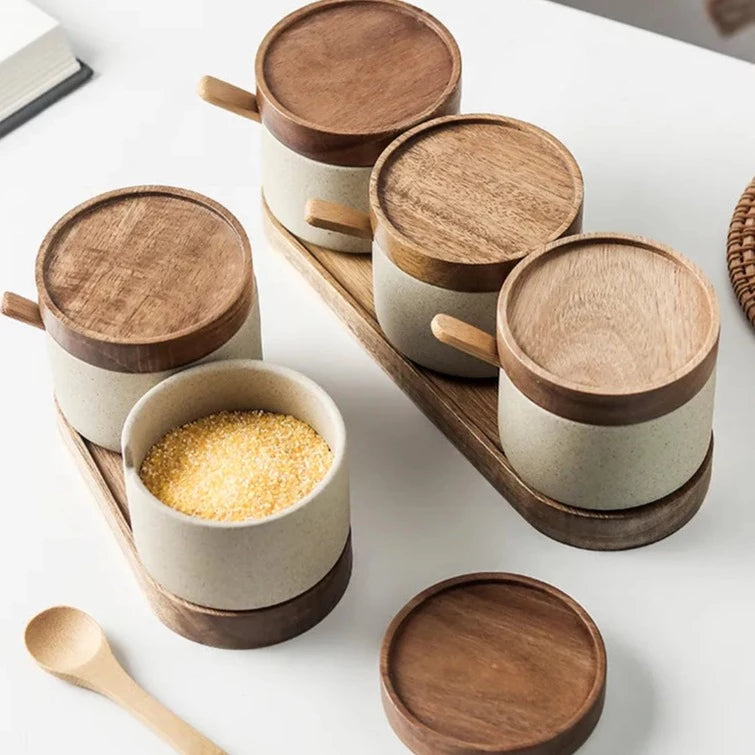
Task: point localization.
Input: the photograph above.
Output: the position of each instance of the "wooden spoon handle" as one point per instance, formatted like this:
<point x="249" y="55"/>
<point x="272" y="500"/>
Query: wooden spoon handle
<point x="122" y="689"/>
<point x="466" y="338"/>
<point x="338" y="217"/>
<point x="229" y="97"/>
<point x="22" y="309"/>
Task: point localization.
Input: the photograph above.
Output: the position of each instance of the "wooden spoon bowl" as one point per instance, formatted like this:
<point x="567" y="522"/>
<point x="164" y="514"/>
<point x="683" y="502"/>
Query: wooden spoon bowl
<point x="62" y="640"/>
<point x="71" y="645"/>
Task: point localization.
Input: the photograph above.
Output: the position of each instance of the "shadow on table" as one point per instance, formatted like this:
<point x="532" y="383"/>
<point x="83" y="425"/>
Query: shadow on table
<point x="629" y="711"/>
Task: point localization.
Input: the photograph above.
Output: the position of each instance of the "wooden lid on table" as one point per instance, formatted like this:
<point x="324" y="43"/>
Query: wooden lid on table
<point x="608" y="329"/>
<point x="458" y="201"/>
<point x="493" y="663"/>
<point x="145" y="279"/>
<point x="337" y="80"/>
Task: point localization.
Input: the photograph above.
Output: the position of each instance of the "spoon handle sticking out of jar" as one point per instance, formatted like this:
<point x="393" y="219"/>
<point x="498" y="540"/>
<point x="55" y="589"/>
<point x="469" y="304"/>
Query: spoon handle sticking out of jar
<point x="338" y="217"/>
<point x="229" y="97"/>
<point x="465" y="337"/>
<point x="22" y="309"/>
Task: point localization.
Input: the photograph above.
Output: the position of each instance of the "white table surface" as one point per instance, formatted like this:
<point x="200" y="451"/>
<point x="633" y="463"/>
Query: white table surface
<point x="666" y="142"/>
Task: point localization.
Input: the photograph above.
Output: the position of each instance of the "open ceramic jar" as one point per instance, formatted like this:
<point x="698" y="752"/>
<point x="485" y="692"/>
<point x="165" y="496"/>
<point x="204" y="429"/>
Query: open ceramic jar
<point x="253" y="563"/>
<point x="455" y="203"/>
<point x="133" y="285"/>
<point x="337" y="80"/>
<point x="607" y="348"/>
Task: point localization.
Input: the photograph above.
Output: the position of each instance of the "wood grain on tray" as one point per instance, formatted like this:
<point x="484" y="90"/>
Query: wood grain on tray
<point x="466" y="412"/>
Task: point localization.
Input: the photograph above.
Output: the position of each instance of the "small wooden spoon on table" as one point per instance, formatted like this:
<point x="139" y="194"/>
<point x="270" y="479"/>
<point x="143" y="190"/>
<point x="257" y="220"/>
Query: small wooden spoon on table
<point x="71" y="645"/>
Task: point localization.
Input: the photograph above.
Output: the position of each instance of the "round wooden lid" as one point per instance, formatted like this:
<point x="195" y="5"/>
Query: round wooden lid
<point x="608" y="329"/>
<point x="337" y="80"/>
<point x="144" y="279"/>
<point x="493" y="663"/>
<point x="458" y="201"/>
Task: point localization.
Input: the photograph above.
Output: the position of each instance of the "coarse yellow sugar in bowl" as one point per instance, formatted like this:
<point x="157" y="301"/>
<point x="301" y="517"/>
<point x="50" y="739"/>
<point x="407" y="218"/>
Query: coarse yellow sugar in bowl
<point x="255" y="562"/>
<point x="232" y="466"/>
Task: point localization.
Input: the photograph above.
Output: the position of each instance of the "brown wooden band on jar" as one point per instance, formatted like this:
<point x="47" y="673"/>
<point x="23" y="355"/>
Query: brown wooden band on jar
<point x="577" y="402"/>
<point x="459" y="270"/>
<point x="342" y="145"/>
<point x="122" y="352"/>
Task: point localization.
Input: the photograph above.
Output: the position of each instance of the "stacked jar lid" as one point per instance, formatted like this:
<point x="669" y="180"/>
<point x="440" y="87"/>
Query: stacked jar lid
<point x="336" y="82"/>
<point x="455" y="203"/>
<point x="133" y="285"/>
<point x="607" y="348"/>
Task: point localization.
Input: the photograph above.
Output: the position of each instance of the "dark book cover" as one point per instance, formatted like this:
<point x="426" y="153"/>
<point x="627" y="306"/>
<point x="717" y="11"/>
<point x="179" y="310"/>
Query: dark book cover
<point x="45" y="100"/>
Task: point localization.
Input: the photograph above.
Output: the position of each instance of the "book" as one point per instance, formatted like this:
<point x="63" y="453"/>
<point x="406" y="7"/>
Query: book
<point x="37" y="65"/>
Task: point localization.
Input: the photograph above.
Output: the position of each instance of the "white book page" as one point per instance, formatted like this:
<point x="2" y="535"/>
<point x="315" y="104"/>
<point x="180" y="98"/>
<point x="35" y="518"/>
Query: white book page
<point x="21" y="23"/>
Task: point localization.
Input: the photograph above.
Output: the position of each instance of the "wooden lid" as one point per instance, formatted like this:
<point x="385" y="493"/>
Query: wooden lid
<point x="608" y="329"/>
<point x="458" y="201"/>
<point x="493" y="663"/>
<point x="144" y="279"/>
<point x="337" y="80"/>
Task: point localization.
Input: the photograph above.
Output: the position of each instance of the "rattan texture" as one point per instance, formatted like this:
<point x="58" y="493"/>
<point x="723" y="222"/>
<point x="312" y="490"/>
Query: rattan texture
<point x="740" y="251"/>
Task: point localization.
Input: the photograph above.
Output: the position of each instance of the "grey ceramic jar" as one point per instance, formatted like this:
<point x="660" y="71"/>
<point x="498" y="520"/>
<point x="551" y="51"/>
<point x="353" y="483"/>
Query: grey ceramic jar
<point x="606" y="346"/>
<point x="336" y="81"/>
<point x="255" y="563"/>
<point x="455" y="203"/>
<point x="134" y="285"/>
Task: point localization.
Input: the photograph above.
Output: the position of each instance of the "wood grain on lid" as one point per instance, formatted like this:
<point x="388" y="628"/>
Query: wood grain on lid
<point x="493" y="663"/>
<point x="608" y="329"/>
<point x="144" y="279"/>
<point x="466" y="412"/>
<point x="458" y="201"/>
<point x="337" y="80"/>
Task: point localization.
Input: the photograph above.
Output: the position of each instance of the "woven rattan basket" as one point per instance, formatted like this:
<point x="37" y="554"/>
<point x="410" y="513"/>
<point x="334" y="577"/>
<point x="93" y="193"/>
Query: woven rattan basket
<point x="740" y="251"/>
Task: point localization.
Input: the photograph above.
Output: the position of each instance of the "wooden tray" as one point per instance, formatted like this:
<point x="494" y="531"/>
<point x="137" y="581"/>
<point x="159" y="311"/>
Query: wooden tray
<point x="740" y="251"/>
<point x="466" y="412"/>
<point x="102" y="470"/>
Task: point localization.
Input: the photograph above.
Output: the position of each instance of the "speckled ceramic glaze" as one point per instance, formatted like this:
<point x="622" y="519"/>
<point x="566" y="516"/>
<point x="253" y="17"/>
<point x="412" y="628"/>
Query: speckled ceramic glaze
<point x="96" y="401"/>
<point x="290" y="179"/>
<point x="607" y="348"/>
<point x="405" y="307"/>
<point x="604" y="467"/>
<point x="237" y="565"/>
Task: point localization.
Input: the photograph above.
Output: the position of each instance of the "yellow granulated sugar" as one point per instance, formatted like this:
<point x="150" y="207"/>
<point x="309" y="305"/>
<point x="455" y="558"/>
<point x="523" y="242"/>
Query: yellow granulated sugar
<point x="232" y="466"/>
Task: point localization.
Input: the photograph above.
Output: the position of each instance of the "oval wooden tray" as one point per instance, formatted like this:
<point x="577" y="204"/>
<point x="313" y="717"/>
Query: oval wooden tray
<point x="466" y="412"/>
<point x="103" y="472"/>
<point x="740" y="251"/>
<point x="493" y="663"/>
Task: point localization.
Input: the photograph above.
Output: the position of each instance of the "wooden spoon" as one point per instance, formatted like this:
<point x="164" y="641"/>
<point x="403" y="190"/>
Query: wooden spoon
<point x="71" y="645"/>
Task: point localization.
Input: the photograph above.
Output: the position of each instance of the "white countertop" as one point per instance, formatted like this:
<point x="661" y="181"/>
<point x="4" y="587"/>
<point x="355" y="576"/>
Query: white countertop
<point x="666" y="142"/>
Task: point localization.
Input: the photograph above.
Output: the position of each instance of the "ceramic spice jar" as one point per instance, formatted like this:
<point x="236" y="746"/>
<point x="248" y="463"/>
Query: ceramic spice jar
<point x="253" y="563"/>
<point x="133" y="285"/>
<point x="607" y="347"/>
<point x="336" y="81"/>
<point x="455" y="203"/>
